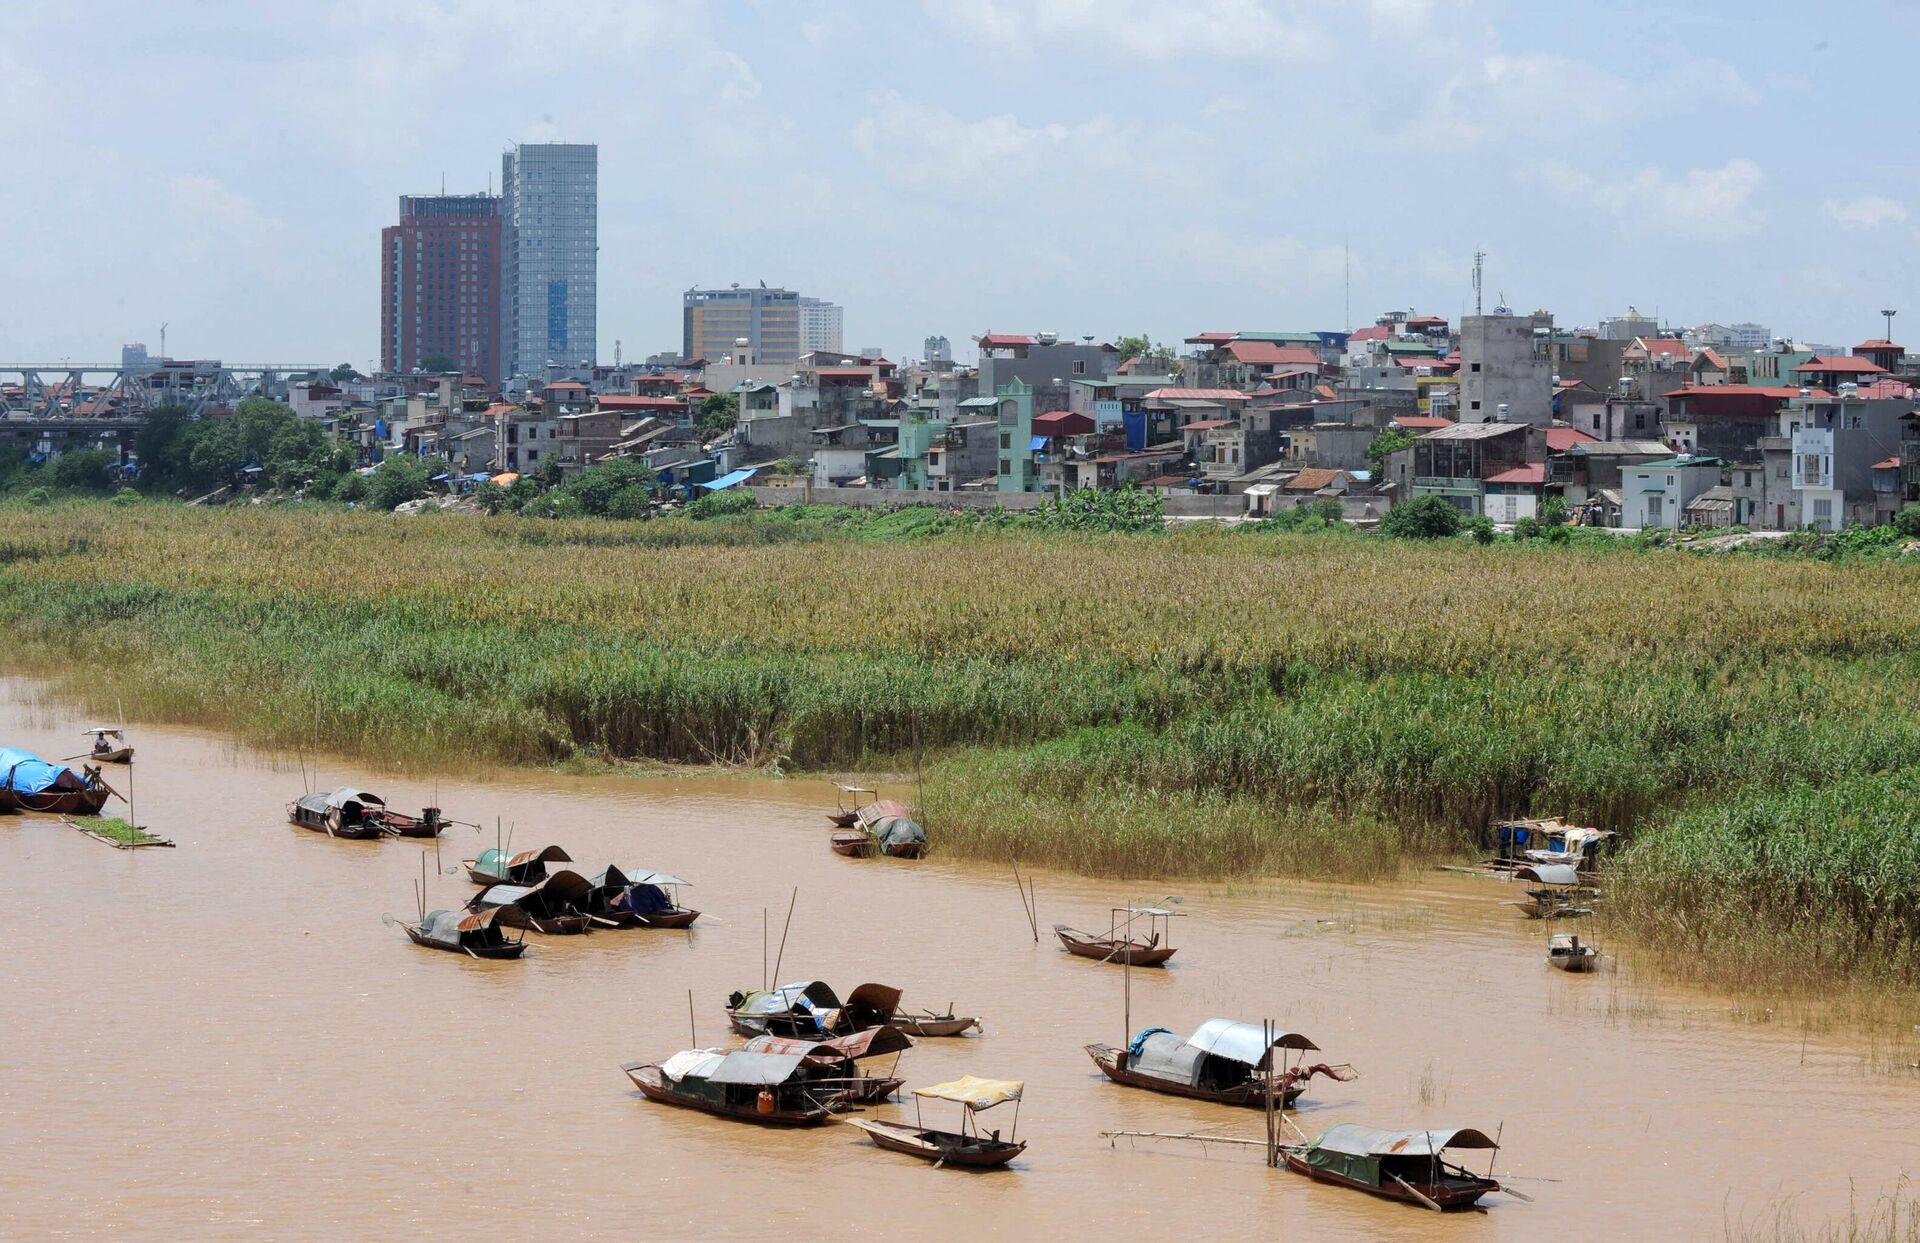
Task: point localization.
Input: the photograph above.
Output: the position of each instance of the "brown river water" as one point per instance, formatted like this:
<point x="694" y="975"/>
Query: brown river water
<point x="224" y="1041"/>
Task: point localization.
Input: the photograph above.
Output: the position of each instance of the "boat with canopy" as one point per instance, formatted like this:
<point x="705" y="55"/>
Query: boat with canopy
<point x="968" y="1147"/>
<point x="1397" y="1165"/>
<point x="29" y="783"/>
<point x="811" y="1009"/>
<point x="1125" y="941"/>
<point x="770" y="1089"/>
<point x="555" y="905"/>
<point x="109" y="745"/>
<point x="1557" y="892"/>
<point x="344" y="813"/>
<point x="1224" y="1061"/>
<point x="640" y="898"/>
<point x="496" y="867"/>
<point x="473" y="933"/>
<point x="833" y="1064"/>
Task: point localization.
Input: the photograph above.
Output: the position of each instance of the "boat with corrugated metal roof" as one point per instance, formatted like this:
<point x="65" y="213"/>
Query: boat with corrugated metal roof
<point x="638" y="898"/>
<point x="555" y="905"/>
<point x="1224" y="1061"/>
<point x="811" y="1009"/>
<point x="770" y="1089"/>
<point x="1397" y="1165"/>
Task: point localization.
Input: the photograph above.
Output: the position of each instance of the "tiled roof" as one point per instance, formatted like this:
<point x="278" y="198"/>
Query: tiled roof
<point x="1892" y="463"/>
<point x="1266" y="353"/>
<point x="1421" y="422"/>
<point x="1531" y="472"/>
<point x="1560" y="439"/>
<point x="1196" y="394"/>
<point x="1003" y="340"/>
<point x="1208" y="425"/>
<point x="1670" y="346"/>
<point x="1312" y="479"/>
<point x="1839" y="364"/>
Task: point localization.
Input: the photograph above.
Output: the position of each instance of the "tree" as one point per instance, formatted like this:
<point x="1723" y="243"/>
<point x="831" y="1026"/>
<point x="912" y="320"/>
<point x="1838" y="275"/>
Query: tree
<point x="718" y="414"/>
<point x="1329" y="510"/>
<point x="436" y="364"/>
<point x="1392" y="440"/>
<point x="82" y="470"/>
<point x="1481" y="528"/>
<point x="1553" y="512"/>
<point x="1907" y="522"/>
<point x="343" y="372"/>
<point x="1429" y="517"/>
<point x="396" y="481"/>
<point x="163" y="445"/>
<point x="1157" y="359"/>
<point x="1097" y="509"/>
<point x="596" y="487"/>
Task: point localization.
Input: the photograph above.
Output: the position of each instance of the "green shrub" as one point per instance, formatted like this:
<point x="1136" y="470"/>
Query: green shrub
<point x="125" y="497"/>
<point x="1429" y="517"/>
<point x="722" y="504"/>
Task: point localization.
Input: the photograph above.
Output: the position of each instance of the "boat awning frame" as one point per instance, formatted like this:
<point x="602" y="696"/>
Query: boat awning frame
<point x="1364" y="1141"/>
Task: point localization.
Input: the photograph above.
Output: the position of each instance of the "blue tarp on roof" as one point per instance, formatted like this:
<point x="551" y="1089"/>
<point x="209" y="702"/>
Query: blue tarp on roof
<point x="442" y="477"/>
<point x="380" y="429"/>
<point x="730" y="478"/>
<point x="1036" y="444"/>
<point x="23" y="772"/>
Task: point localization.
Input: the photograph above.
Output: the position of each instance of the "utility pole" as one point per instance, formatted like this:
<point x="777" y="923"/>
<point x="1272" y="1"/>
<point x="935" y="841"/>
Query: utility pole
<point x="1479" y="262"/>
<point x="1889" y="313"/>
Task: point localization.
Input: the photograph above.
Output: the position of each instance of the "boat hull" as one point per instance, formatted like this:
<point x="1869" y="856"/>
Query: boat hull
<point x="119" y="755"/>
<point x="63" y="802"/>
<point x="841" y="819"/>
<point x="853" y="844"/>
<point x="946" y="1147"/>
<point x="1451" y="1194"/>
<point x="1248" y="1096"/>
<point x="507" y="949"/>
<point x="655" y="1087"/>
<point x="934" y="1026"/>
<point x="347" y="832"/>
<point x="1578" y="964"/>
<point x="1130" y="953"/>
<point x="679" y="917"/>
<point x="906" y="850"/>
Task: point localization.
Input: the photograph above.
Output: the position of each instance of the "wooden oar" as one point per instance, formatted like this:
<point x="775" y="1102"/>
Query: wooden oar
<point x="1413" y="1191"/>
<point x="1518" y="1195"/>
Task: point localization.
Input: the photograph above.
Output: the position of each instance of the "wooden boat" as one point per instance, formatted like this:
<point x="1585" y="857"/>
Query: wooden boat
<point x="473" y="933"/>
<point x="1556" y="892"/>
<point x="811" y="1009"/>
<point x="497" y="867"/>
<point x="1565" y="951"/>
<point x="928" y="1024"/>
<point x="29" y="783"/>
<point x="845" y="817"/>
<point x="555" y="906"/>
<point x="399" y="824"/>
<point x="640" y="898"/>
<point x="345" y="813"/>
<point x="967" y="1147"/>
<point x="763" y="1088"/>
<point x="109" y="746"/>
<point x="895" y="834"/>
<point x="833" y="1065"/>
<point x="1395" y="1165"/>
<point x="1121" y="943"/>
<point x="1226" y="1062"/>
<point x="853" y="843"/>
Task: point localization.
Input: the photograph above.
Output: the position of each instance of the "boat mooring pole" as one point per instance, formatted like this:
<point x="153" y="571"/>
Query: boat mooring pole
<point x="691" y="1033"/>
<point x="781" y="956"/>
<point x="763" y="949"/>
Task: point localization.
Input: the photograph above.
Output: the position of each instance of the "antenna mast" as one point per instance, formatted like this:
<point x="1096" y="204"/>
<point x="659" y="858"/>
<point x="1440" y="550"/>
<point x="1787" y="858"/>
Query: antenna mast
<point x="1479" y="261"/>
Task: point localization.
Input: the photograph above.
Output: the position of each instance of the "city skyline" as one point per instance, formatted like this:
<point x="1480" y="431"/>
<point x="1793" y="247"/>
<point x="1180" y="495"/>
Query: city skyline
<point x="981" y="179"/>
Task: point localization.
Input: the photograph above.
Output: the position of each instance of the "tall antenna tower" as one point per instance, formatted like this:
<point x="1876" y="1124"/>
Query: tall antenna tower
<point x="1479" y="262"/>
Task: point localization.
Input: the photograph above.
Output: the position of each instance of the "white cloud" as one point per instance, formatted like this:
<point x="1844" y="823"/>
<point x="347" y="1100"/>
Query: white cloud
<point x="1137" y="29"/>
<point x="1869" y="211"/>
<point x="1706" y="202"/>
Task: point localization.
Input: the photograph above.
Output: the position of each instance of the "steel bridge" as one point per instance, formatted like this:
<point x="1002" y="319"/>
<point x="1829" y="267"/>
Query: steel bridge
<point x="53" y="391"/>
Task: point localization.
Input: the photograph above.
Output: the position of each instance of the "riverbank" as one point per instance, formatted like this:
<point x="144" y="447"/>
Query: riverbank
<point x="1190" y="704"/>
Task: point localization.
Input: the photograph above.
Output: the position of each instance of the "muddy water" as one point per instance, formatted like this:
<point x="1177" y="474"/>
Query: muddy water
<point x="224" y="1041"/>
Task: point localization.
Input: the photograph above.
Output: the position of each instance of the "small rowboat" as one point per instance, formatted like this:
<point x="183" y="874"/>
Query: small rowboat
<point x="109" y="746"/>
<point x="853" y="843"/>
<point x="845" y="817"/>
<point x="967" y="1147"/>
<point x="1395" y="1165"/>
<point x="641" y="898"/>
<point x="926" y="1023"/>
<point x="1566" y="951"/>
<point x="832" y="1066"/>
<point x="1120" y="943"/>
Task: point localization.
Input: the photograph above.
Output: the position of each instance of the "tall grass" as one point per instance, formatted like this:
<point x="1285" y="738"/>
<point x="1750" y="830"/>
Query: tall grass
<point x="1193" y="702"/>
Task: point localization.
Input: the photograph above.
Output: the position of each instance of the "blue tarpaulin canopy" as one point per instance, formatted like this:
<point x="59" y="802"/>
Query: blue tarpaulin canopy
<point x="26" y="773"/>
<point x="380" y="429"/>
<point x="730" y="478"/>
<point x="1038" y="443"/>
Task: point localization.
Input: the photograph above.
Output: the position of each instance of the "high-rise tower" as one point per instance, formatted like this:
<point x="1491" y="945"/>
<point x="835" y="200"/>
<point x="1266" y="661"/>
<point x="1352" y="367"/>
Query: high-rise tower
<point x="550" y="201"/>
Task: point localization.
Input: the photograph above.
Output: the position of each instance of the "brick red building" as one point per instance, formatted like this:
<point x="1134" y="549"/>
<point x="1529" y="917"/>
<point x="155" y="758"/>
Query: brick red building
<point x="440" y="283"/>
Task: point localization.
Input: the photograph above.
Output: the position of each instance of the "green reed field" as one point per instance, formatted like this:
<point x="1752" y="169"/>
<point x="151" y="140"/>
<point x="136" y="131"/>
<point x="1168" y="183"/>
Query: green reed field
<point x="1196" y="703"/>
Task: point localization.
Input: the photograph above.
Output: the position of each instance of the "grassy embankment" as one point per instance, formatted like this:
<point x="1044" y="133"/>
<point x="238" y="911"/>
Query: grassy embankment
<point x="1195" y="703"/>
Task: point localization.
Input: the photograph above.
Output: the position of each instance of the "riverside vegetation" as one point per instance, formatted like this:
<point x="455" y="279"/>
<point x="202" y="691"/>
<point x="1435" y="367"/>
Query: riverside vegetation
<point x="1199" y="703"/>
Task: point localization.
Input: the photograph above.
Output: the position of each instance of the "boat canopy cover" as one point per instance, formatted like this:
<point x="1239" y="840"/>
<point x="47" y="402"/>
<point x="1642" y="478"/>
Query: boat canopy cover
<point x="496" y="862"/>
<point x="647" y="876"/>
<point x="1549" y="873"/>
<point x="874" y="1042"/>
<point x="445" y="927"/>
<point x="881" y="997"/>
<point x="102" y="729"/>
<point x="895" y="831"/>
<point x="755" y="1069"/>
<point x="1365" y="1141"/>
<point x="1243" y="1042"/>
<point x="26" y="773"/>
<point x="347" y="796"/>
<point x="1163" y="1055"/>
<point x="846" y="789"/>
<point x="563" y="888"/>
<point x="316" y="802"/>
<point x="698" y="1063"/>
<point x="974" y="1092"/>
<point x="811" y="995"/>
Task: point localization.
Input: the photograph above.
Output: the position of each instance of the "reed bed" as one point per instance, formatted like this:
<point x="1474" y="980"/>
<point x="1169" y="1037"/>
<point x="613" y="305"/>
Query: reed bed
<point x="1191" y="703"/>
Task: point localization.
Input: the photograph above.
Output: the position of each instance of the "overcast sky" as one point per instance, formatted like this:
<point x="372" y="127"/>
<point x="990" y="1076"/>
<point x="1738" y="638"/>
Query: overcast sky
<point x="955" y="166"/>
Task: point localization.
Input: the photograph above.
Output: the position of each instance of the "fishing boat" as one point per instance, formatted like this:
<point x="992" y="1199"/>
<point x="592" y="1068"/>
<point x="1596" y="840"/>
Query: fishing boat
<point x="1396" y="1165"/>
<point x="834" y="1064"/>
<point x="1121" y="943"/>
<point x="895" y="834"/>
<point x="473" y="933"/>
<point x="496" y="867"/>
<point x="928" y="1024"/>
<point x="345" y="813"/>
<point x="1518" y="843"/>
<point x="399" y="824"/>
<point x="1557" y="892"/>
<point x="29" y="783"/>
<point x="555" y="905"/>
<point x="641" y="898"/>
<point x="845" y="817"/>
<point x="853" y="843"/>
<point x="1224" y="1061"/>
<point x="770" y="1089"/>
<point x="811" y="1009"/>
<point x="967" y="1147"/>
<point x="109" y="745"/>
<point x="1566" y="951"/>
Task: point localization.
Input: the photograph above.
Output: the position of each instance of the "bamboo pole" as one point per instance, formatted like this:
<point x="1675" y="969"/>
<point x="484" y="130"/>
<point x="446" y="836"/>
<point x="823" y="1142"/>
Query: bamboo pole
<point x="692" y="1033"/>
<point x="781" y="956"/>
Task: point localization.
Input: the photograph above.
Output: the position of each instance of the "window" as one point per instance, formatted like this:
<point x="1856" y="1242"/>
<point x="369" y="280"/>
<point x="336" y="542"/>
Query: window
<point x="1476" y="405"/>
<point x="1653" y="509"/>
<point x="1003" y="466"/>
<point x="1669" y="481"/>
<point x="1006" y="441"/>
<point x="1476" y="371"/>
<point x="1639" y="420"/>
<point x="1079" y="366"/>
<point x="1823" y="508"/>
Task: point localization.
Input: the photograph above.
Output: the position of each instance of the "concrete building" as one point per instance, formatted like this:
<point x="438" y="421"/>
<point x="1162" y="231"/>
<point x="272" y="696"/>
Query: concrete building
<point x="1014" y="403"/>
<point x="746" y="326"/>
<point x="937" y="350"/>
<point x="1656" y="494"/>
<point x="550" y="247"/>
<point x="440" y="272"/>
<point x="821" y="325"/>
<point x="1841" y="446"/>
<point x="1627" y="326"/>
<point x="1047" y="364"/>
<point x="1506" y="369"/>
